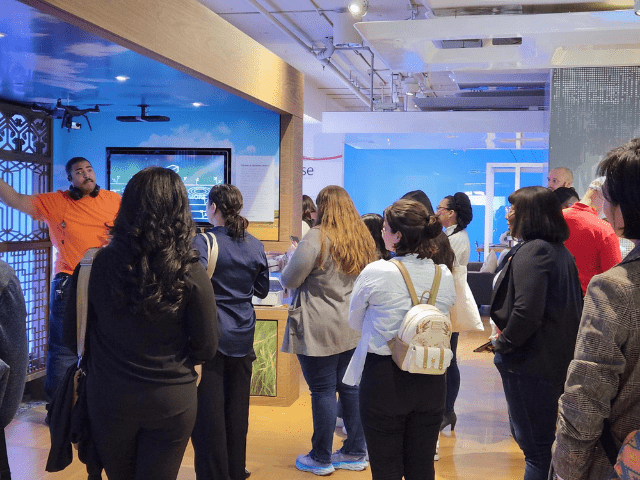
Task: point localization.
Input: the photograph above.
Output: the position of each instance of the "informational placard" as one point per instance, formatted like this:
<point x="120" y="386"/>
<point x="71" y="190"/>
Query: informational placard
<point x="256" y="180"/>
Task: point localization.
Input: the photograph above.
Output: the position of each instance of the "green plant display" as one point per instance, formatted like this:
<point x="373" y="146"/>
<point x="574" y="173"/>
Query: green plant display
<point x="265" y="344"/>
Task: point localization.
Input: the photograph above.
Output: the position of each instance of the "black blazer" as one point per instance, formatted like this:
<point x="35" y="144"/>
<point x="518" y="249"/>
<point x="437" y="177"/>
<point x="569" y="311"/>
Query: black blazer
<point x="537" y="303"/>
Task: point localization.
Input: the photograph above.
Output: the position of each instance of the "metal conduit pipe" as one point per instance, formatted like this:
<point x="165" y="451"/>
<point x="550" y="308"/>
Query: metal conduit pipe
<point x="342" y="55"/>
<point x="371" y="76"/>
<point x="309" y="49"/>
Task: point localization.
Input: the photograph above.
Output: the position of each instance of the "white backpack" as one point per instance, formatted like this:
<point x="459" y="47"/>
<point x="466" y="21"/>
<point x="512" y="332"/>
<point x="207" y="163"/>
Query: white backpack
<point x="423" y="341"/>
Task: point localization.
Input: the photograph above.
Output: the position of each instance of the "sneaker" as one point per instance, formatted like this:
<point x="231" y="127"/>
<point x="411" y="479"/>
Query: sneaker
<point x="307" y="464"/>
<point x="436" y="457"/>
<point x="348" y="462"/>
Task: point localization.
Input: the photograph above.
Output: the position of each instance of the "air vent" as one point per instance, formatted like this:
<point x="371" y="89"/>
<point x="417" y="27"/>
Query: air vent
<point x="449" y="44"/>
<point x="507" y="41"/>
<point x="143" y="117"/>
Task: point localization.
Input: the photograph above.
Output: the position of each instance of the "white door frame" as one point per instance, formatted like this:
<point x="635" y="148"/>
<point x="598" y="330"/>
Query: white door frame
<point x="492" y="168"/>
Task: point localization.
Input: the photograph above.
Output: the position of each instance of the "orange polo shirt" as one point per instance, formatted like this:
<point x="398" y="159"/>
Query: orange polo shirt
<point x="76" y="225"/>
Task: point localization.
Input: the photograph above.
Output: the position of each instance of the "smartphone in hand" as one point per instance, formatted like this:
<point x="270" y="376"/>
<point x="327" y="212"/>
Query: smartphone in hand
<point x="294" y="240"/>
<point x="485" y="347"/>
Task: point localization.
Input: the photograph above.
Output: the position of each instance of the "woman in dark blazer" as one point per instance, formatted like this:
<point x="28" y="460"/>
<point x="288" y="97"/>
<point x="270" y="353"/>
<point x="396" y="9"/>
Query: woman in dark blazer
<point x="536" y="305"/>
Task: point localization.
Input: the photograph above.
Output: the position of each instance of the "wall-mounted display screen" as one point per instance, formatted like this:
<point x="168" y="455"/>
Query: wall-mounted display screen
<point x="199" y="168"/>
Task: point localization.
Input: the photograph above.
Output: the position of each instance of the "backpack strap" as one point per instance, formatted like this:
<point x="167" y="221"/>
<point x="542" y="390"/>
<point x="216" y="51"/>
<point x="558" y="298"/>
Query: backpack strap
<point x="82" y="298"/>
<point x="435" y="286"/>
<point x="412" y="290"/>
<point x="407" y="280"/>
<point x="212" y="252"/>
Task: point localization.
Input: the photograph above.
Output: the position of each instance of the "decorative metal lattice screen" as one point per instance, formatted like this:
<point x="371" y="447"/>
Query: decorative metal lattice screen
<point x="593" y="110"/>
<point x="26" y="165"/>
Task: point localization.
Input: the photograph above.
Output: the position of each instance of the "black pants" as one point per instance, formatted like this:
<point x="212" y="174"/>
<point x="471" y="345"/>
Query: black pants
<point x="219" y="437"/>
<point x="401" y="414"/>
<point x="141" y="450"/>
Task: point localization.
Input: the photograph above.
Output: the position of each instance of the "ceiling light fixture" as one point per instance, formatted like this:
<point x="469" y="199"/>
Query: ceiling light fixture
<point x="636" y="7"/>
<point x="2" y="35"/>
<point x="122" y="78"/>
<point x="358" y="8"/>
<point x="197" y="104"/>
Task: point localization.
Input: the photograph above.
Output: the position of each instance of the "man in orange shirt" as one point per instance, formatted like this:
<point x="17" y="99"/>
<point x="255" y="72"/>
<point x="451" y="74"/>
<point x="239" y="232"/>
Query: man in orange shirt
<point x="78" y="219"/>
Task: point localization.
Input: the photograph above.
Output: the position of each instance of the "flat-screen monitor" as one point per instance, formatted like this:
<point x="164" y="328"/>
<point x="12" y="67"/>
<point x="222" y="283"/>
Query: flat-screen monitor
<point x="199" y="168"/>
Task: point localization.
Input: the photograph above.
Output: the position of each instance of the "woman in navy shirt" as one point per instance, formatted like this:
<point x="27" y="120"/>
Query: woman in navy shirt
<point x="220" y="435"/>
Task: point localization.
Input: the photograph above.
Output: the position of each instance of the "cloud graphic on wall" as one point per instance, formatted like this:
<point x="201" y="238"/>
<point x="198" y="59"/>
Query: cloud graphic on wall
<point x="224" y="129"/>
<point x="184" y="137"/>
<point x="95" y="49"/>
<point x="55" y="67"/>
<point x="250" y="150"/>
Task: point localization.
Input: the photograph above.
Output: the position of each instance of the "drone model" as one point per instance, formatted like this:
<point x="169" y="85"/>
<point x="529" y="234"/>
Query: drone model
<point x="67" y="113"/>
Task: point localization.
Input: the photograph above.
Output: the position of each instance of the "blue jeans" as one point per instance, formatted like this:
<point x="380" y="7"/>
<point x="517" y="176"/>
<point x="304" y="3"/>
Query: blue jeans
<point x="533" y="409"/>
<point x="59" y="357"/>
<point x="324" y="377"/>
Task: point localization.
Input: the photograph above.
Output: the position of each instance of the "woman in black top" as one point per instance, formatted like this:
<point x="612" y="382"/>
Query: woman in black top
<point x="220" y="436"/>
<point x="536" y="305"/>
<point x="151" y="318"/>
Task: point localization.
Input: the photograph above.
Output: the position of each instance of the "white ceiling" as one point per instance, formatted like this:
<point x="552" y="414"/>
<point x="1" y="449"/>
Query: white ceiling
<point x="405" y="37"/>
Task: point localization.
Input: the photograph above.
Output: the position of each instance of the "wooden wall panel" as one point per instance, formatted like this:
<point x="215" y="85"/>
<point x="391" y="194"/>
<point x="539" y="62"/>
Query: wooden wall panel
<point x="290" y="182"/>
<point x="186" y="35"/>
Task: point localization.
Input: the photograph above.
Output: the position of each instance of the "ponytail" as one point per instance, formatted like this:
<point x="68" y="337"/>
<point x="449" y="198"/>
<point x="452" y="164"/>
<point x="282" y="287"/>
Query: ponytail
<point x="237" y="225"/>
<point x="228" y="201"/>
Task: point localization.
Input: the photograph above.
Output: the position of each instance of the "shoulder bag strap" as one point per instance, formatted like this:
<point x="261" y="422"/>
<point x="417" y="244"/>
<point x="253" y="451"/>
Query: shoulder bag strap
<point x="82" y="298"/>
<point x="407" y="280"/>
<point x="212" y="249"/>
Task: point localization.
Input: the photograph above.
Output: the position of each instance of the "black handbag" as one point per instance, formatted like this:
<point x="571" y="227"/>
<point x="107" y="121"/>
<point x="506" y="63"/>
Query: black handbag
<point x="68" y="412"/>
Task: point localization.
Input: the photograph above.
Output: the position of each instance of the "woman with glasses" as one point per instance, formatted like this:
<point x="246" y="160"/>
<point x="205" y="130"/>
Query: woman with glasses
<point x="455" y="213"/>
<point x="536" y="306"/>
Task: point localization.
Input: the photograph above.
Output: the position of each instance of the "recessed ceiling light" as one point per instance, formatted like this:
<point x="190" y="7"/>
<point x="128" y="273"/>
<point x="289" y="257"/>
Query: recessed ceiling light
<point x="2" y="35"/>
<point x="197" y="104"/>
<point x="122" y="78"/>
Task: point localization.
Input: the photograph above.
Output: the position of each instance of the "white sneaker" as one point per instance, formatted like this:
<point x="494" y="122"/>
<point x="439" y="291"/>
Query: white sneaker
<point x="436" y="457"/>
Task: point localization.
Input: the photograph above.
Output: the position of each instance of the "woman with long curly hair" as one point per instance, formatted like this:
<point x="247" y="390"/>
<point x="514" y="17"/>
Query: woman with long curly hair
<point x="220" y="436"/>
<point x="322" y="269"/>
<point x="151" y="318"/>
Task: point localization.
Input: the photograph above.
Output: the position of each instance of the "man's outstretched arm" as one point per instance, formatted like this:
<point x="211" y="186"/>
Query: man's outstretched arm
<point x="13" y="199"/>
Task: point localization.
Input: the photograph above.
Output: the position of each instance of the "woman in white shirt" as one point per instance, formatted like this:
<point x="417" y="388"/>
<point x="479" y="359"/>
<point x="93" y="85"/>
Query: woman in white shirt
<point x="455" y="213"/>
<point x="401" y="412"/>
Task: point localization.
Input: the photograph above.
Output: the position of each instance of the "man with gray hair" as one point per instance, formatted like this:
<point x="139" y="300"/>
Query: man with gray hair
<point x="559" y="177"/>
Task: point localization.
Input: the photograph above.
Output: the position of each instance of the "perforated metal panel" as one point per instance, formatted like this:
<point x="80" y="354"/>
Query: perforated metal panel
<point x="26" y="165"/>
<point x="592" y="111"/>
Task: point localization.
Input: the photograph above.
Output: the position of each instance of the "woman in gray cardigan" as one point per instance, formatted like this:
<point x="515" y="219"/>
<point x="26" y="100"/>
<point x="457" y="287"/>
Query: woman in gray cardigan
<point x="323" y="269"/>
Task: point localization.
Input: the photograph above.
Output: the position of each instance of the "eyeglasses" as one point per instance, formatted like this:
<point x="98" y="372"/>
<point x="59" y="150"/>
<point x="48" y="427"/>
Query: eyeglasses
<point x="442" y="208"/>
<point x="509" y="210"/>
